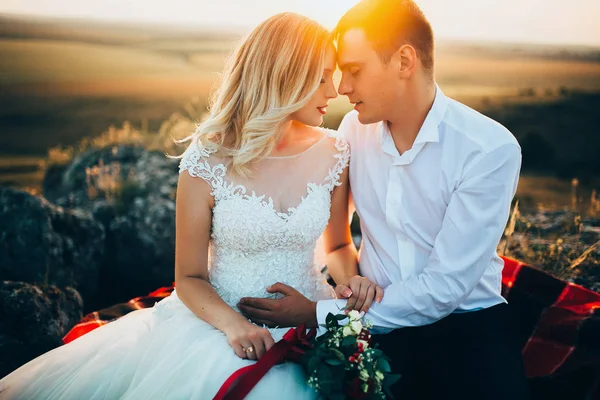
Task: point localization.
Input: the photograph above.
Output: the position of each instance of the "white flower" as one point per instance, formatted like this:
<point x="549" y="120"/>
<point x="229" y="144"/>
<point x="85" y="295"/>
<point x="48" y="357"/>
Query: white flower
<point x="379" y="376"/>
<point x="364" y="375"/>
<point x="354" y="315"/>
<point x="365" y="344"/>
<point x="365" y="388"/>
<point x="356" y="326"/>
<point x="347" y="331"/>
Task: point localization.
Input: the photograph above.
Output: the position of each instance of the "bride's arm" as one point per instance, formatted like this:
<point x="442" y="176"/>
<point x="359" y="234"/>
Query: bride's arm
<point x="193" y="223"/>
<point x="342" y="257"/>
<point x="341" y="254"/>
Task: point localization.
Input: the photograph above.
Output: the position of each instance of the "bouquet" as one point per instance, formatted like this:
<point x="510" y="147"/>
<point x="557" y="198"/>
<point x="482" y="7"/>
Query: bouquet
<point x="343" y="364"/>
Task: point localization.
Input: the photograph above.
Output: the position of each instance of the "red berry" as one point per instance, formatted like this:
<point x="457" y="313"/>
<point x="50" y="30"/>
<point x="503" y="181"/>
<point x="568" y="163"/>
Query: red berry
<point x="351" y="359"/>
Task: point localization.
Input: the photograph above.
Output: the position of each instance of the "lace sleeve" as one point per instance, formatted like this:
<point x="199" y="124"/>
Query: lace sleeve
<point x="342" y="154"/>
<point x="195" y="160"/>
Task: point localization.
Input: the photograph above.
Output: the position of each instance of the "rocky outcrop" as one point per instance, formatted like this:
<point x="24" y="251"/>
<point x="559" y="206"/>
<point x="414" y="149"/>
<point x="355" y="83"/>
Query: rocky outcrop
<point x="117" y="174"/>
<point x="33" y="320"/>
<point x="44" y="244"/>
<point x="131" y="192"/>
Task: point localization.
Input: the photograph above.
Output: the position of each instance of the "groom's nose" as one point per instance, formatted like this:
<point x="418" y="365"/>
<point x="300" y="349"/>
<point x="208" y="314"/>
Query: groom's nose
<point x="345" y="88"/>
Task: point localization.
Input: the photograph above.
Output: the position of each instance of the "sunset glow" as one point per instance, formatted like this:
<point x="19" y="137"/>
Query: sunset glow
<point x="531" y="21"/>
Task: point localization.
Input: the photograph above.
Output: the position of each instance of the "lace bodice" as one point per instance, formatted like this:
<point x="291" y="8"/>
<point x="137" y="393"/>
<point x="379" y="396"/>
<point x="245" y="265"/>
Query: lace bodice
<point x="265" y="228"/>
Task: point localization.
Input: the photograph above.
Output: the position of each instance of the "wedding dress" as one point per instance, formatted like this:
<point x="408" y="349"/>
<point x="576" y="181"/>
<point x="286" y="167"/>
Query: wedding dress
<point x="264" y="230"/>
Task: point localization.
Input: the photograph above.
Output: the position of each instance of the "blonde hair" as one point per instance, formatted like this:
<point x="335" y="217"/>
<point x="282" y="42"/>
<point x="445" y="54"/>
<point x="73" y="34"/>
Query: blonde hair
<point x="271" y="75"/>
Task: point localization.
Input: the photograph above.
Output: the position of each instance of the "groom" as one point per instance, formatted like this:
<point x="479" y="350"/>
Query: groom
<point x="432" y="181"/>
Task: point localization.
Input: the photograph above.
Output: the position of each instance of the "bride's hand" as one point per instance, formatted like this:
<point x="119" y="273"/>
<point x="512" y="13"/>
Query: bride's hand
<point x="360" y="293"/>
<point x="248" y="340"/>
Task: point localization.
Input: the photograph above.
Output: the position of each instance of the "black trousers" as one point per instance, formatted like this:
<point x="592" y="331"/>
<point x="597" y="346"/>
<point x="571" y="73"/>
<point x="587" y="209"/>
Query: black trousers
<point x="470" y="355"/>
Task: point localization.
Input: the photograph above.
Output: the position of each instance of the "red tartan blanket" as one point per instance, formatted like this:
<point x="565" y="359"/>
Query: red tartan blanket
<point x="558" y="325"/>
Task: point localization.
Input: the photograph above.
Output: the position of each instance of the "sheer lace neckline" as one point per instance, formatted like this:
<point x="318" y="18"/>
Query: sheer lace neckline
<point x="324" y="135"/>
<point x="324" y="178"/>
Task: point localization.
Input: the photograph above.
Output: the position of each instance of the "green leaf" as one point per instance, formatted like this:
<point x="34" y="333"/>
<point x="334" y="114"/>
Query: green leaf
<point x="383" y="365"/>
<point x="338" y="354"/>
<point x="326" y="380"/>
<point x="340" y="317"/>
<point x="324" y="373"/>
<point x="388" y="393"/>
<point x="313" y="363"/>
<point x="331" y="321"/>
<point x="376" y="353"/>
<point x="390" y="379"/>
<point x="322" y="339"/>
<point x="322" y="352"/>
<point x="348" y="341"/>
<point x="333" y="361"/>
<point x="329" y="317"/>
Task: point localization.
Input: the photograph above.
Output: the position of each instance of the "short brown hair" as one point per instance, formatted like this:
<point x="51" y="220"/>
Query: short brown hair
<point x="389" y="24"/>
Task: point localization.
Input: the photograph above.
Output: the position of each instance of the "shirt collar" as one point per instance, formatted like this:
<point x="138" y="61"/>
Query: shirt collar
<point x="429" y="131"/>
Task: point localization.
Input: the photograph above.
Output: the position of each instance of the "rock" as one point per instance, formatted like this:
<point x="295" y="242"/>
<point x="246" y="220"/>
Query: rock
<point x="130" y="191"/>
<point x="140" y="250"/>
<point x="33" y="320"/>
<point x="90" y="170"/>
<point x="44" y="244"/>
<point x="117" y="173"/>
<point x="53" y="179"/>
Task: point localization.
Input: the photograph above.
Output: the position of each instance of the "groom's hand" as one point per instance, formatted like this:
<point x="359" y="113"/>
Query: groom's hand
<point x="360" y="292"/>
<point x="290" y="311"/>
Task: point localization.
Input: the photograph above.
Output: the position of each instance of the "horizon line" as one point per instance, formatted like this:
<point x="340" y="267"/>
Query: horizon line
<point x="240" y="29"/>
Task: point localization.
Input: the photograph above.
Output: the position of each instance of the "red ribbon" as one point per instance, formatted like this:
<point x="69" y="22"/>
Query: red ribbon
<point x="294" y="344"/>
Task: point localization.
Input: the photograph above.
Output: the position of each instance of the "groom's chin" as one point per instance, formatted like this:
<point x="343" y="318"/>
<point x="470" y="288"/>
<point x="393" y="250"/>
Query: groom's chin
<point x="365" y="119"/>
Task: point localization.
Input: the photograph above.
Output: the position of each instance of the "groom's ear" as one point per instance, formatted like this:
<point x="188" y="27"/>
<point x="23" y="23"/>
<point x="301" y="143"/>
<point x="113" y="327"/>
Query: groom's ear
<point x="405" y="61"/>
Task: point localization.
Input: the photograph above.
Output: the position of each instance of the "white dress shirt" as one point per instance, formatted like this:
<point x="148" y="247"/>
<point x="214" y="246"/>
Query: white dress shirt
<point x="431" y="218"/>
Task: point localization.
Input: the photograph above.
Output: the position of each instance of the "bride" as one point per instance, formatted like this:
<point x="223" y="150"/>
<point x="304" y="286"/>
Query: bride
<point x="259" y="184"/>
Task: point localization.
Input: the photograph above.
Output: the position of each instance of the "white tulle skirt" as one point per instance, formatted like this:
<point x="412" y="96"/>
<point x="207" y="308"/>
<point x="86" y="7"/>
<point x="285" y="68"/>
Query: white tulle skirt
<point x="165" y="352"/>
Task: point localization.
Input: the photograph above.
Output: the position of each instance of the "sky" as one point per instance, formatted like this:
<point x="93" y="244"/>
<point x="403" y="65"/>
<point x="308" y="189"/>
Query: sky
<point x="525" y="21"/>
